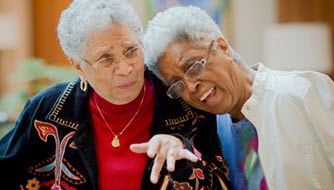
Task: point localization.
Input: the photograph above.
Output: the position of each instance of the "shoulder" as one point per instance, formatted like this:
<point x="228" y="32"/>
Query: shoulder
<point x="47" y="97"/>
<point x="51" y="92"/>
<point x="286" y="83"/>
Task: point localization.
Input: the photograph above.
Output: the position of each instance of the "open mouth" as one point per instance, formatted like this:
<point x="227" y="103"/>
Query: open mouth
<point x="208" y="95"/>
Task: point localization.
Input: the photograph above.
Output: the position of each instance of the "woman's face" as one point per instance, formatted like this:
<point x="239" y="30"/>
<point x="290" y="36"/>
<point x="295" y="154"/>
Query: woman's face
<point x="113" y="64"/>
<point x="216" y="91"/>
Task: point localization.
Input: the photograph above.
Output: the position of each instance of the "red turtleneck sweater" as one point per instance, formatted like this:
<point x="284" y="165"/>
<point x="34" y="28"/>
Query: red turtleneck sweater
<point x="120" y="168"/>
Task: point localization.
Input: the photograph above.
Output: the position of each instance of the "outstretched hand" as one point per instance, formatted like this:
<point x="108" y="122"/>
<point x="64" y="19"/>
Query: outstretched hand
<point x="163" y="148"/>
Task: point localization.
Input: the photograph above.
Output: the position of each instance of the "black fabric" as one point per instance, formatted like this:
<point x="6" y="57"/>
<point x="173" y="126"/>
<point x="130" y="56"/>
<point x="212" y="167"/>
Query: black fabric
<point x="56" y="123"/>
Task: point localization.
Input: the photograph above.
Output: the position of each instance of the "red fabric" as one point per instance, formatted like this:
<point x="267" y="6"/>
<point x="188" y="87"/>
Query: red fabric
<point x="120" y="168"/>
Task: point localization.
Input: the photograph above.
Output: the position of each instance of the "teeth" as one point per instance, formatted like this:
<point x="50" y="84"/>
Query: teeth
<point x="206" y="94"/>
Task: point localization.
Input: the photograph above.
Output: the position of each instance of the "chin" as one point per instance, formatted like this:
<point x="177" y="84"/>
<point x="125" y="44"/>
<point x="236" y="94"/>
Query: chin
<point x="212" y="110"/>
<point x="129" y="98"/>
<point x="131" y="95"/>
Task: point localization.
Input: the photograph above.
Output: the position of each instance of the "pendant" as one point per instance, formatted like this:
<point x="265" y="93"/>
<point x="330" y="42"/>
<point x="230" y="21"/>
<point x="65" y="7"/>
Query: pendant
<point x="115" y="142"/>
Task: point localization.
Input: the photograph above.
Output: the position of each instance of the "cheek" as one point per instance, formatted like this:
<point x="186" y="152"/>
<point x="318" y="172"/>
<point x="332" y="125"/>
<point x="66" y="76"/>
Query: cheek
<point x="214" y="77"/>
<point x="218" y="77"/>
<point x="101" y="78"/>
<point x="88" y="74"/>
<point x="97" y="80"/>
<point x="139" y="67"/>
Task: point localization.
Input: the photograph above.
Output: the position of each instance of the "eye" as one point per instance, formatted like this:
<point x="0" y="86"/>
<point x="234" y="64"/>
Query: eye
<point x="188" y="62"/>
<point x="105" y="60"/>
<point x="132" y="53"/>
<point x="194" y="70"/>
<point x="173" y="80"/>
<point x="104" y="56"/>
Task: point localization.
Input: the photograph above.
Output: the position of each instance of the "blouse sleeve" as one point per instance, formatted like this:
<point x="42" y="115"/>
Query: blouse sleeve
<point x="319" y="105"/>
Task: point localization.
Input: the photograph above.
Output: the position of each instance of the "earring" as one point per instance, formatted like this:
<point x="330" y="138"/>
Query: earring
<point x="83" y="85"/>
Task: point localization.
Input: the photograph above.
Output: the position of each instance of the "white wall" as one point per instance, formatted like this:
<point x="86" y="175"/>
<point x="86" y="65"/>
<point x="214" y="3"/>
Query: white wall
<point x="11" y="59"/>
<point x="245" y="29"/>
<point x="249" y="19"/>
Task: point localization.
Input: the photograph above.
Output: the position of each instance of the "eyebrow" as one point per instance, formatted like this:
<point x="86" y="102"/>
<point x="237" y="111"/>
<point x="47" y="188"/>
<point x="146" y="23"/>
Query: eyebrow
<point x="184" y="65"/>
<point x="187" y="61"/>
<point x="129" y="43"/>
<point x="102" y="50"/>
<point x="108" y="48"/>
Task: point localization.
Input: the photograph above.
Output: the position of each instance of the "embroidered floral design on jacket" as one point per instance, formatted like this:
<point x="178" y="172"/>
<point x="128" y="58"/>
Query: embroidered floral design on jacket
<point x="182" y="186"/>
<point x="33" y="184"/>
<point x="56" y="164"/>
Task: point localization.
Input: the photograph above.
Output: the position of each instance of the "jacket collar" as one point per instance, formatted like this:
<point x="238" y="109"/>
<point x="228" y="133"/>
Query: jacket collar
<point x="71" y="108"/>
<point x="71" y="111"/>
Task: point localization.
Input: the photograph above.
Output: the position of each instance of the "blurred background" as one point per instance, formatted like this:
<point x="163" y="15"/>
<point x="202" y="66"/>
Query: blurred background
<point x="283" y="34"/>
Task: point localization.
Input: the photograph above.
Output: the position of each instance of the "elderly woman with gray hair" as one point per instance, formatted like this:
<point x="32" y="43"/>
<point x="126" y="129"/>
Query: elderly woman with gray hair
<point x="91" y="133"/>
<point x="292" y="111"/>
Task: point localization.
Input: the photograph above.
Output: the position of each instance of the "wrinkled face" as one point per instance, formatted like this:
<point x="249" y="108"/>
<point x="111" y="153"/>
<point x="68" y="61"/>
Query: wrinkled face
<point x="215" y="91"/>
<point x="113" y="64"/>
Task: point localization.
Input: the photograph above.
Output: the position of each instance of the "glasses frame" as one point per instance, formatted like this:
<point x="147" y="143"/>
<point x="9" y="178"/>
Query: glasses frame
<point x="96" y="64"/>
<point x="171" y="92"/>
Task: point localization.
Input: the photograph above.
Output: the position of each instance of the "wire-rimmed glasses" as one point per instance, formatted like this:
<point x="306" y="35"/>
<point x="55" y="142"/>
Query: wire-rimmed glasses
<point x="131" y="56"/>
<point x="192" y="74"/>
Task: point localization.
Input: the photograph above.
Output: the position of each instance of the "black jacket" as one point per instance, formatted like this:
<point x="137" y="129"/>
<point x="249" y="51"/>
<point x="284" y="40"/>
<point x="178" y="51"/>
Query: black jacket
<point x="55" y="129"/>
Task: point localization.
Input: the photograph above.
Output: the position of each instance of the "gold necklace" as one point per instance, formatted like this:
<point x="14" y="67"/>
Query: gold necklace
<point x="115" y="141"/>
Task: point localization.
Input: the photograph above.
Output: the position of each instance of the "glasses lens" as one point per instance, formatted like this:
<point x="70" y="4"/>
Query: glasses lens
<point x="176" y="90"/>
<point x="105" y="62"/>
<point x="133" y="55"/>
<point x="195" y="71"/>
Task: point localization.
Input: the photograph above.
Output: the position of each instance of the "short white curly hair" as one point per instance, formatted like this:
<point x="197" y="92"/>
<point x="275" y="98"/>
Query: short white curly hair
<point x="178" y="24"/>
<point x="83" y="17"/>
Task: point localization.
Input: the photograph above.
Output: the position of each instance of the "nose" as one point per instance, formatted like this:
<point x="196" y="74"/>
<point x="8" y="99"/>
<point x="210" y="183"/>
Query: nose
<point x="123" y="67"/>
<point x="192" y="85"/>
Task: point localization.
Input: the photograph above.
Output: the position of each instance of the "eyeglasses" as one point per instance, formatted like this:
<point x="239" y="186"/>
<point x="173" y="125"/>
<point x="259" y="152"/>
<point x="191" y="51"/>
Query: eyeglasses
<point x="131" y="56"/>
<point x="192" y="74"/>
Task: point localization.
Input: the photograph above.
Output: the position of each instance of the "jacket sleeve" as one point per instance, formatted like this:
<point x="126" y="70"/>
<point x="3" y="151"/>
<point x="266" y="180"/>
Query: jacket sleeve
<point x="210" y="172"/>
<point x="12" y="148"/>
<point x="198" y="131"/>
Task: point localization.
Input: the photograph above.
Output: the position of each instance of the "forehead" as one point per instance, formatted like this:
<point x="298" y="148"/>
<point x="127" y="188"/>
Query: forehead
<point x="117" y="33"/>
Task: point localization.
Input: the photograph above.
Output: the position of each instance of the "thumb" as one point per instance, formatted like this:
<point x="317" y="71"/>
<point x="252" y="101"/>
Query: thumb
<point x="139" y="148"/>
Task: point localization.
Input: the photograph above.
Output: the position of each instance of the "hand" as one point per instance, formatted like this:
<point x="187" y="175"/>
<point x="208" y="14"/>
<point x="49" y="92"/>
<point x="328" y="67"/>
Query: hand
<point x="163" y="147"/>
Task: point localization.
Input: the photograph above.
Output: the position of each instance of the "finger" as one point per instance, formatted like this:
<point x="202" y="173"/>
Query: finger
<point x="186" y="154"/>
<point x="156" y="168"/>
<point x="139" y="148"/>
<point x="171" y="158"/>
<point x="153" y="147"/>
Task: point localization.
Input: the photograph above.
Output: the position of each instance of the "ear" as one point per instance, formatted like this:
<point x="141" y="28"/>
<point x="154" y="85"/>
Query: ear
<point x="224" y="45"/>
<point x="78" y="68"/>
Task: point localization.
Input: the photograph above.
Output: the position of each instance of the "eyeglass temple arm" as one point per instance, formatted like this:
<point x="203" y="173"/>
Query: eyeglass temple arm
<point x="212" y="43"/>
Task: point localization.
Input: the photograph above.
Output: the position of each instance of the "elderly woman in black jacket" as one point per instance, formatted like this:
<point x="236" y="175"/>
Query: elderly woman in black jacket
<point x="90" y="133"/>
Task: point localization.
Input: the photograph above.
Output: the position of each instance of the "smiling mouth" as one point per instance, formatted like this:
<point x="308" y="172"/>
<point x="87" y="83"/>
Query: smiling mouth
<point x="204" y="98"/>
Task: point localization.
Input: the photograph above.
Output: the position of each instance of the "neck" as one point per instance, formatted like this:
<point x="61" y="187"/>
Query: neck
<point x="245" y="80"/>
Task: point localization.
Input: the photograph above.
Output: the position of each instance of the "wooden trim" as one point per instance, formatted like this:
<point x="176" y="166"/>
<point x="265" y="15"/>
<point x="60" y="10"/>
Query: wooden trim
<point x="307" y="11"/>
<point x="45" y="18"/>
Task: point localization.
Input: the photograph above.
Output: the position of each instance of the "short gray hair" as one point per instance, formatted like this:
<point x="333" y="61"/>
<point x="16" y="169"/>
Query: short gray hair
<point x="175" y="25"/>
<point x="83" y="17"/>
